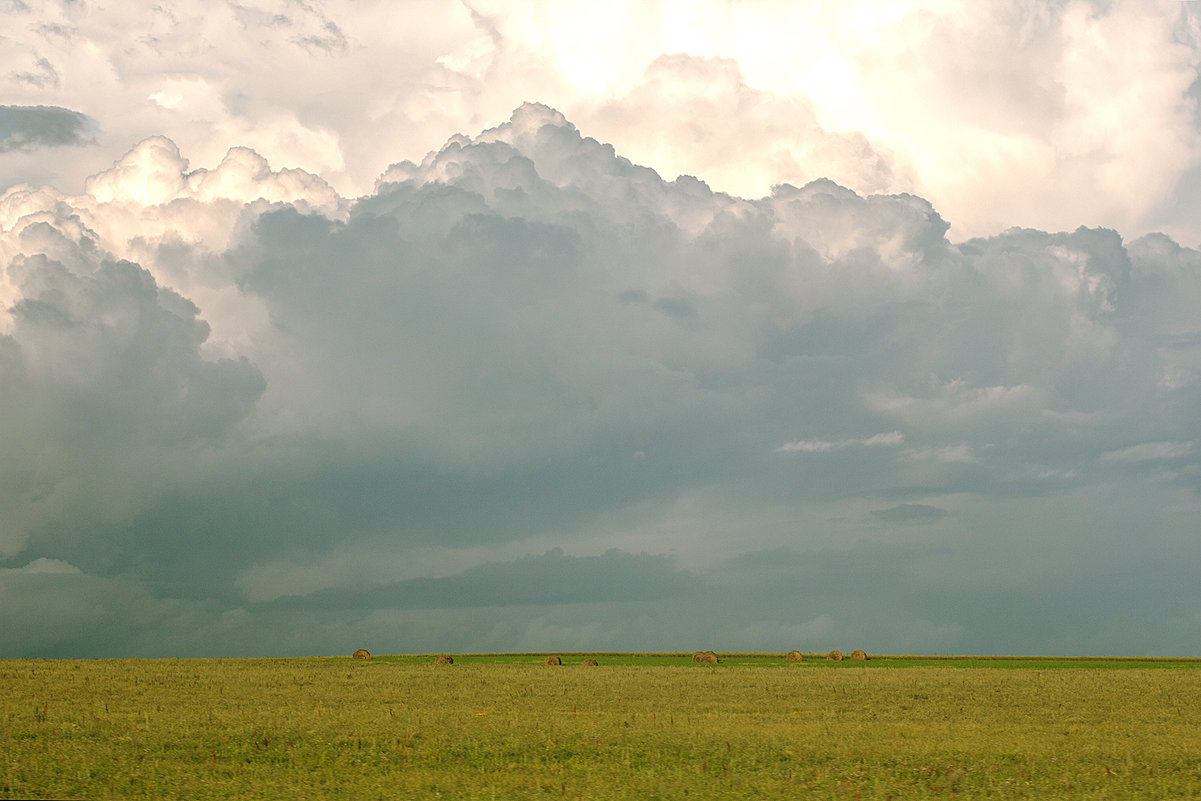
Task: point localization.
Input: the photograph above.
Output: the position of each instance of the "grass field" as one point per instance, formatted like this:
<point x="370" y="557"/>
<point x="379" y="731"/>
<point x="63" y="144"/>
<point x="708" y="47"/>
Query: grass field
<point x="637" y="726"/>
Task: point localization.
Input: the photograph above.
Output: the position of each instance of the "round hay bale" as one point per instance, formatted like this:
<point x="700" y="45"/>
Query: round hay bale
<point x="362" y="653"/>
<point x="835" y="655"/>
<point x="590" y="662"/>
<point x="793" y="656"/>
<point x="705" y="658"/>
<point x="444" y="659"/>
<point x="553" y="660"/>
<point x="858" y="655"/>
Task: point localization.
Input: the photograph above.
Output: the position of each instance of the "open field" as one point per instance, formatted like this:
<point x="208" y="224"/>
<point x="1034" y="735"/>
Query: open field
<point x="729" y="659"/>
<point x="637" y="726"/>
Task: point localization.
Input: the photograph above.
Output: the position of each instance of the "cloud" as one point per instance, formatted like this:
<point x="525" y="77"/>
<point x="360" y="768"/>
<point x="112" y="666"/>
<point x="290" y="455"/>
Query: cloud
<point x="553" y="578"/>
<point x="155" y="174"/>
<point x="953" y="402"/>
<point x="100" y="365"/>
<point x="31" y="127"/>
<point x="1150" y="452"/>
<point x="888" y="440"/>
<point x="910" y="513"/>
<point x="949" y="454"/>
<point x="1046" y="115"/>
<point x="45" y="565"/>
<point x="766" y="139"/>
<point x="42" y="75"/>
<point x="323" y="419"/>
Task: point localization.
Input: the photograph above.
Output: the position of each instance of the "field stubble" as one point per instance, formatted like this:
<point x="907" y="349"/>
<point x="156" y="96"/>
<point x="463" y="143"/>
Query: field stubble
<point x="333" y="728"/>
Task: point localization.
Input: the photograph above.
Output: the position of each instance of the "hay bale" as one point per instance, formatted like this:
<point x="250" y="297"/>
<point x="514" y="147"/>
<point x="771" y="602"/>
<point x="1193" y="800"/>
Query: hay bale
<point x="858" y="655"/>
<point x="835" y="655"/>
<point x="553" y="660"/>
<point x="362" y="653"/>
<point x="590" y="662"/>
<point x="705" y="657"/>
<point x="443" y="659"/>
<point x="793" y="656"/>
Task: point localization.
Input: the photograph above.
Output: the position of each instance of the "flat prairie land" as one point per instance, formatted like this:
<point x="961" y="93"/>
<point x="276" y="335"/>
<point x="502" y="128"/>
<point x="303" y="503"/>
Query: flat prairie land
<point x="638" y="726"/>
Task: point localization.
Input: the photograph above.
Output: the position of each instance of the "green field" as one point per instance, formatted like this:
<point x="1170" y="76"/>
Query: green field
<point x="639" y="726"/>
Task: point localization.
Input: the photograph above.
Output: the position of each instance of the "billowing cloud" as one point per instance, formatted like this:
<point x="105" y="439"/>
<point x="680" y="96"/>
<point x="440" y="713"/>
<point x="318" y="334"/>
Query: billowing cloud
<point x="1043" y="114"/>
<point x="528" y="393"/>
<point x="766" y="139"/>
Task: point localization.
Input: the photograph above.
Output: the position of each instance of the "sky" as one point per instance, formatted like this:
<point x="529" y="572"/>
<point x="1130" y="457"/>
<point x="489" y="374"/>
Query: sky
<point x="561" y="326"/>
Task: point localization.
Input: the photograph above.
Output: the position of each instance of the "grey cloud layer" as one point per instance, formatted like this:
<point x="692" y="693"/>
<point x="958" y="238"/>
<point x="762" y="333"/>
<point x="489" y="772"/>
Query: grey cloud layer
<point x="528" y="394"/>
<point x="30" y="127"/>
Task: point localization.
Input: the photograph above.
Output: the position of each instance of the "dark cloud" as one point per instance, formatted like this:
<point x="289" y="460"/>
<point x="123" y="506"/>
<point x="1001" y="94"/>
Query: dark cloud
<point x="329" y="39"/>
<point x="30" y="127"/>
<point x="554" y="578"/>
<point x="309" y="27"/>
<point x="43" y="76"/>
<point x="105" y="396"/>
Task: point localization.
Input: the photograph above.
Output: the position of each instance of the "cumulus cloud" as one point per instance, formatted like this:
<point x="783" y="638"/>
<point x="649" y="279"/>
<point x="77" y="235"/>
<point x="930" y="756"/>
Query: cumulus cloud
<point x="1046" y="114"/>
<point x="238" y="401"/>
<point x="247" y="361"/>
<point x="668" y="120"/>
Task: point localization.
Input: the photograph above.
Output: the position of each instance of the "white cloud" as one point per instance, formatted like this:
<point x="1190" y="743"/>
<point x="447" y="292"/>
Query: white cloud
<point x="954" y="402"/>
<point x="947" y="454"/>
<point x="670" y="120"/>
<point x="890" y="439"/>
<point x="1042" y="114"/>
<point x="154" y="173"/>
<point x="43" y="565"/>
<point x="1150" y="452"/>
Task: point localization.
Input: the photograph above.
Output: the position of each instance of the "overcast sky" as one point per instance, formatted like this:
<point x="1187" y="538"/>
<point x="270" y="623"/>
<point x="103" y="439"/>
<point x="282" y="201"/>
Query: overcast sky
<point x="423" y="326"/>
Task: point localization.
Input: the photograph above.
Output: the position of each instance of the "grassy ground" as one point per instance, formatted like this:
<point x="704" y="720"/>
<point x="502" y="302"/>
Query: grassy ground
<point x="819" y="660"/>
<point x="653" y="727"/>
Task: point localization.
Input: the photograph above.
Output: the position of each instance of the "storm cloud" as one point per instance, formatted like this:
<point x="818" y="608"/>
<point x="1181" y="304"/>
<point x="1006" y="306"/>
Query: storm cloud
<point x="528" y="394"/>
